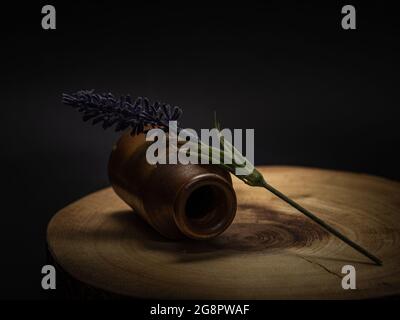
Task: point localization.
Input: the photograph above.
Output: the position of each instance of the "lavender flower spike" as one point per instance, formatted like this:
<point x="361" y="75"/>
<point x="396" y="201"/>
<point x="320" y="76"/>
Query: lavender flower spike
<point x="122" y="112"/>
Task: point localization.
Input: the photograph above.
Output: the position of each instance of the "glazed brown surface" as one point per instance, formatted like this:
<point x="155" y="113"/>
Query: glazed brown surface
<point x="179" y="201"/>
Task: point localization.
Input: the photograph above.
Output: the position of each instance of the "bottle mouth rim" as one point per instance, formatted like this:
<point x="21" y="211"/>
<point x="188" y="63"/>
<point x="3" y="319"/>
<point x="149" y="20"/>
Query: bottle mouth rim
<point x="205" y="207"/>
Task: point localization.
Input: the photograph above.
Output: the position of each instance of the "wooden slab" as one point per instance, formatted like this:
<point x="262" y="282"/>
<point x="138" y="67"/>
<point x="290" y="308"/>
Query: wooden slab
<point x="270" y="252"/>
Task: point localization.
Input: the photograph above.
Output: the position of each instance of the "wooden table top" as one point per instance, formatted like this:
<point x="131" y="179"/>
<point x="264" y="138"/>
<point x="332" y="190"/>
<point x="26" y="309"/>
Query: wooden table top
<point x="271" y="251"/>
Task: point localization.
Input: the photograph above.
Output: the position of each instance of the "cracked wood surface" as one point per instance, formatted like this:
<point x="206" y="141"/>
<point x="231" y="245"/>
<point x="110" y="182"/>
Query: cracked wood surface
<point x="271" y="251"/>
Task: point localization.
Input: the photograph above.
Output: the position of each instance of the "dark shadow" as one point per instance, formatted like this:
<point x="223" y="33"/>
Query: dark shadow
<point x="264" y="230"/>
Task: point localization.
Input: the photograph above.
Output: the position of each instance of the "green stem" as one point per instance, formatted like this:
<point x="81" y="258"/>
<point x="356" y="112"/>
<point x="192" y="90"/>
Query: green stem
<point x="322" y="223"/>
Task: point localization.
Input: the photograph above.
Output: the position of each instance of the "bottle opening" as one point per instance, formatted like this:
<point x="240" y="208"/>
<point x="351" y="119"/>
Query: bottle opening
<point x="209" y="208"/>
<point x="202" y="204"/>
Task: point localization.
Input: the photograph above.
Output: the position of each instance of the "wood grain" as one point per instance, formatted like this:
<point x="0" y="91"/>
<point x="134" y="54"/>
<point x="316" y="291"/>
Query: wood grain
<point x="271" y="251"/>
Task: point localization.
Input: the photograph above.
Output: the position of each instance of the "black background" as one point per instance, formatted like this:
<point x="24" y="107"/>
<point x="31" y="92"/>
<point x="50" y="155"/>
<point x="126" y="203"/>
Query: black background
<point x="317" y="95"/>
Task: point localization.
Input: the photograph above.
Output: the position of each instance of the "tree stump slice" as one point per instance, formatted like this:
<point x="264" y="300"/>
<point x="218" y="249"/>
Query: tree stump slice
<point x="271" y="251"/>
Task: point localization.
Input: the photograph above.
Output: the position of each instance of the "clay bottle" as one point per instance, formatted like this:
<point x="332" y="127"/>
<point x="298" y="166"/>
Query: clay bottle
<point x="178" y="201"/>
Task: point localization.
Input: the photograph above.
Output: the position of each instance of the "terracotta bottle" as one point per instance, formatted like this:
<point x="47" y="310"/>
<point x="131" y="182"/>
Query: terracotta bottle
<point x="178" y="201"/>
